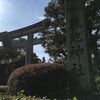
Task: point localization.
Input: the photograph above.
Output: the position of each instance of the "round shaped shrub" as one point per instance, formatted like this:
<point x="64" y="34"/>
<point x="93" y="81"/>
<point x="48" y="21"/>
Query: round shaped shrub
<point x="39" y="80"/>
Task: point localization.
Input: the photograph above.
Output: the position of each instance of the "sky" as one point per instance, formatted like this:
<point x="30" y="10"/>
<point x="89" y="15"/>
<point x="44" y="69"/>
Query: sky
<point x="15" y="14"/>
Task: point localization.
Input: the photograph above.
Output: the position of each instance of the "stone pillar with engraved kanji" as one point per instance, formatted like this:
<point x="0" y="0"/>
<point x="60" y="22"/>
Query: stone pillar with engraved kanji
<point x="77" y="59"/>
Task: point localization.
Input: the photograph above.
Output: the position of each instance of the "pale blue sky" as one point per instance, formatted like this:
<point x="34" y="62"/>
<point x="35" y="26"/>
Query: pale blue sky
<point x="15" y="14"/>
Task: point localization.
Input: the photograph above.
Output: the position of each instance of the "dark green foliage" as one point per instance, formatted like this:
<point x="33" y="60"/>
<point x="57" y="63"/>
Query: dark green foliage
<point x="7" y="68"/>
<point x="55" y="35"/>
<point x="93" y="19"/>
<point x="3" y="89"/>
<point x="39" y="79"/>
<point x="35" y="59"/>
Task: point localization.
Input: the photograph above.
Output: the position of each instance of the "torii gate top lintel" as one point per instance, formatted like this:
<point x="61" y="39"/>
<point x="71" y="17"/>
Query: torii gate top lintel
<point x="37" y="27"/>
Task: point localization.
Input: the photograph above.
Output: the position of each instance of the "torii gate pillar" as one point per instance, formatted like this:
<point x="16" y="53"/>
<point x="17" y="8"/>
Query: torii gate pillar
<point x="78" y="59"/>
<point x="29" y="51"/>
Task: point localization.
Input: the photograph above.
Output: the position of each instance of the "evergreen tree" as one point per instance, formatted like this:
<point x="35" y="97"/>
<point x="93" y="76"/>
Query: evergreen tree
<point x="55" y="36"/>
<point x="93" y="19"/>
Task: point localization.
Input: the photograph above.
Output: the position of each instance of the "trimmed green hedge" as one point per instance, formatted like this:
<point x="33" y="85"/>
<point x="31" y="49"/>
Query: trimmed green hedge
<point x="42" y="80"/>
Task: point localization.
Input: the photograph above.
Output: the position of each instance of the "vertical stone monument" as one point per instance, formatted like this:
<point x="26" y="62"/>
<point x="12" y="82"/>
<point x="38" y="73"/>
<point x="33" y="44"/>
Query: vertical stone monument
<point x="78" y="59"/>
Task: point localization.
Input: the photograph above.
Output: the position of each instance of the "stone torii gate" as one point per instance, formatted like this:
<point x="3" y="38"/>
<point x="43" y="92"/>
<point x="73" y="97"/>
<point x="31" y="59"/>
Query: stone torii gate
<point x="29" y="31"/>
